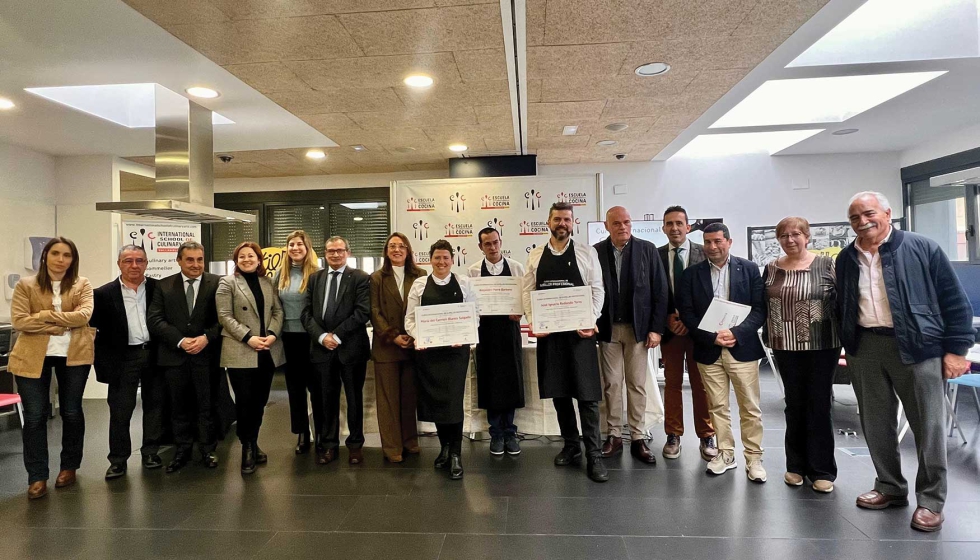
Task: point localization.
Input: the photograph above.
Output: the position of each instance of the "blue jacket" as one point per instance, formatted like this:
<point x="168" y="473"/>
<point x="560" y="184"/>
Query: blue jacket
<point x="694" y="295"/>
<point x="931" y="313"/>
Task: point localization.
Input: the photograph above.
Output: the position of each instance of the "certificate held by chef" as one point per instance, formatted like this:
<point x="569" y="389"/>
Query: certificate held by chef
<point x="562" y="309"/>
<point x="498" y="295"/>
<point x="446" y="325"/>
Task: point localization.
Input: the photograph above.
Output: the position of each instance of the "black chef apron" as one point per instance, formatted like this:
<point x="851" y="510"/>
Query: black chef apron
<point x="499" y="373"/>
<point x="440" y="373"/>
<point x="568" y="365"/>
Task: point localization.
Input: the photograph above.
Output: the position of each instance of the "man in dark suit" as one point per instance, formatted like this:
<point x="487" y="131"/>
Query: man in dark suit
<point x="677" y="346"/>
<point x="335" y="313"/>
<point x="728" y="357"/>
<point x="184" y="320"/>
<point x="632" y="322"/>
<point x="125" y="359"/>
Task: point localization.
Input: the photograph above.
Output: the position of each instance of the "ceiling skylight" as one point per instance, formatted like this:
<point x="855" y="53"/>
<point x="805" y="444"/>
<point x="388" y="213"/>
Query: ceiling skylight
<point x="897" y="30"/>
<point x="129" y="105"/>
<point x="819" y="100"/>
<point x="715" y="145"/>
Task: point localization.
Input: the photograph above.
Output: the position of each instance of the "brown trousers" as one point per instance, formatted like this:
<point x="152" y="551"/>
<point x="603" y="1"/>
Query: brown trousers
<point x="394" y="384"/>
<point x="673" y="352"/>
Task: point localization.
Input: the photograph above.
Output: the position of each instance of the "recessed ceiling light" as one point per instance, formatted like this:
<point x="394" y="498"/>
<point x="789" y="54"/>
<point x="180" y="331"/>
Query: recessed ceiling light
<point x="361" y="205"/>
<point x="569" y="130"/>
<point x="418" y="81"/>
<point x="358" y="218"/>
<point x="322" y="208"/>
<point x="359" y="148"/>
<point x="652" y="69"/>
<point x="202" y="92"/>
<point x="606" y="143"/>
<point x="6" y="104"/>
<point x="617" y="127"/>
<point x="844" y="131"/>
<point x="819" y="100"/>
<point x="404" y="149"/>
<point x="316" y="154"/>
<point x="457" y="148"/>
<point x="714" y="145"/>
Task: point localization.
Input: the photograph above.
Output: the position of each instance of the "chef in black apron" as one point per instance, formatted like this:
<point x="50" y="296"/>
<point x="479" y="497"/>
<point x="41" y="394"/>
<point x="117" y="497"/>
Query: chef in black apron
<point x="499" y="368"/>
<point x="568" y="362"/>
<point x="441" y="372"/>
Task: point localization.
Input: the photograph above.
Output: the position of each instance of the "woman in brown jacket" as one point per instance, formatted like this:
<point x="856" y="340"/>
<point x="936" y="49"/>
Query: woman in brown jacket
<point x="394" y="374"/>
<point x="50" y="313"/>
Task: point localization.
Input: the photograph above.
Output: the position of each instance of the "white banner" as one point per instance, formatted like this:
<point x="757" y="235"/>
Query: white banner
<point x="457" y="209"/>
<point x="160" y="240"/>
<point x="651" y="230"/>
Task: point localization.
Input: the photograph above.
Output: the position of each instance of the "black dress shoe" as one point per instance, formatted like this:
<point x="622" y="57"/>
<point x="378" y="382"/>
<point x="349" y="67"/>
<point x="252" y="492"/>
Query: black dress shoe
<point x="324" y="456"/>
<point x="597" y="471"/>
<point x="115" y="471"/>
<point x="152" y="461"/>
<point x="248" y="458"/>
<point x="179" y="462"/>
<point x="260" y="457"/>
<point x="303" y="443"/>
<point x="455" y="466"/>
<point x="442" y="461"/>
<point x="210" y="460"/>
<point x="569" y="455"/>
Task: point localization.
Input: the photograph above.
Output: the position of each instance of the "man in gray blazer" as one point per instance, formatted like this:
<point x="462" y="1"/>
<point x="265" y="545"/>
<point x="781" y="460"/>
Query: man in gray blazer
<point x="678" y="254"/>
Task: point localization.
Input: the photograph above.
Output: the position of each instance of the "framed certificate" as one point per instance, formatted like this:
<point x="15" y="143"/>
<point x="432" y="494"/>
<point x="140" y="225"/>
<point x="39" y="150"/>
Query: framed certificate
<point x="446" y="325"/>
<point x="498" y="295"/>
<point x="562" y="309"/>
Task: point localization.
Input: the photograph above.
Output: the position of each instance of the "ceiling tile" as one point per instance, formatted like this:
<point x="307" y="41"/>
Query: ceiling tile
<point x="673" y="82"/>
<point x="555" y="128"/>
<point x="778" y="16"/>
<point x="236" y="170"/>
<point x="428" y="166"/>
<point x="558" y="157"/>
<point x="268" y="76"/>
<point x="499" y="145"/>
<point x="445" y="135"/>
<point x="337" y="101"/>
<point x="535" y="21"/>
<point x="495" y="115"/>
<point x="706" y="88"/>
<point x="265" y="157"/>
<point x="482" y="65"/>
<point x="747" y="51"/>
<point x="382" y="168"/>
<point x="577" y="141"/>
<point x="375" y="71"/>
<point x="177" y="11"/>
<point x="327" y="123"/>
<point x="456" y="95"/>
<point x="677" y="120"/>
<point x="413" y="118"/>
<point x="465" y="2"/>
<point x="533" y="90"/>
<point x="570" y="111"/>
<point x="262" y="9"/>
<point x="429" y="30"/>
<point x="686" y="52"/>
<point x="575" y="60"/>
<point x="634" y="107"/>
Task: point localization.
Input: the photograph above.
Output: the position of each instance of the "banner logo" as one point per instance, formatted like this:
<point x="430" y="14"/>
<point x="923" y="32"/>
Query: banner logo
<point x="459" y="230"/>
<point x="530" y="248"/>
<point x="573" y="198"/>
<point x="497" y="224"/>
<point x="421" y="228"/>
<point x="505" y="253"/>
<point x="578" y="226"/>
<point x="534" y="228"/>
<point x="422" y="258"/>
<point x="532" y="199"/>
<point x="457" y="202"/>
<point x="460" y="256"/>
<point x="421" y="204"/>
<point x="495" y="202"/>
<point x="272" y="258"/>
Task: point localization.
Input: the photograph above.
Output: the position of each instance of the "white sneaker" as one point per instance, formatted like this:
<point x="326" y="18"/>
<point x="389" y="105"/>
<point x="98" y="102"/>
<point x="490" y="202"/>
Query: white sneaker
<point x="755" y="471"/>
<point x="721" y="463"/>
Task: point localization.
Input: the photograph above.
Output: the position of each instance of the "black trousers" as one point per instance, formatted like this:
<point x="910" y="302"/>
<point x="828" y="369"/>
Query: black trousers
<point x="301" y="377"/>
<point x="501" y="422"/>
<point x="136" y="372"/>
<point x="808" y="377"/>
<point x="589" y="415"/>
<point x="333" y="373"/>
<point x="251" y="386"/>
<point x="35" y="394"/>
<point x="451" y="435"/>
<point x="190" y="397"/>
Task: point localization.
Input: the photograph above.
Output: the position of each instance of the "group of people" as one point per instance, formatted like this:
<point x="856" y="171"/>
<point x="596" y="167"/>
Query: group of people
<point x="890" y="299"/>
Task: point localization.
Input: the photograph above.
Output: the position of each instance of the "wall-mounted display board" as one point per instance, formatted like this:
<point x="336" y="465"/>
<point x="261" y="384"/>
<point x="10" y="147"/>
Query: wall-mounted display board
<point x="652" y="230"/>
<point x="827" y="238"/>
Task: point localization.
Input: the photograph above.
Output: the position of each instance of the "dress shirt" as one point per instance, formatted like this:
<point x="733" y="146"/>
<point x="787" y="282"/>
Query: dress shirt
<point x="685" y="258"/>
<point x="873" y="307"/>
<point x="516" y="268"/>
<point x="721" y="279"/>
<point x="399" y="273"/>
<point x="618" y="260"/>
<point x="135" y="303"/>
<point x="326" y="298"/>
<point x="415" y="297"/>
<point x="588" y="267"/>
<point x="183" y="289"/>
<point x="58" y="345"/>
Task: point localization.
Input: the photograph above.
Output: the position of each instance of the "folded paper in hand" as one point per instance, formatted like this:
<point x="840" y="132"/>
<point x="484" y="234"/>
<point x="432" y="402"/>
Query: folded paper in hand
<point x="723" y="315"/>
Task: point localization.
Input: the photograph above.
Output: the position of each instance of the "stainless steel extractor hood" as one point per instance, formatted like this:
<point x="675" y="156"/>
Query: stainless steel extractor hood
<point x="184" y="166"/>
<point x="957" y="178"/>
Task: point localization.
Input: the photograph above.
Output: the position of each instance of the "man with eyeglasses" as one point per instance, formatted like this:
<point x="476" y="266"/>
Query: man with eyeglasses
<point x="125" y="355"/>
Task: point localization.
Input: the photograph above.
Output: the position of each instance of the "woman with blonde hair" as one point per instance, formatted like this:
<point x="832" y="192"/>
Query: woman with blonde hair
<point x="291" y="282"/>
<point x="50" y="312"/>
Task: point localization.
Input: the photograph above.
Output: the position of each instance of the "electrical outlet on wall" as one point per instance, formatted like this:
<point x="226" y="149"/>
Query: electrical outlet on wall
<point x="9" y="283"/>
<point x="801" y="184"/>
<point x="620" y="189"/>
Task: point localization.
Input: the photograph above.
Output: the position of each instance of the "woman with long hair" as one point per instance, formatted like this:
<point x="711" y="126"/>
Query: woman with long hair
<point x="394" y="371"/>
<point x="291" y="282"/>
<point x="251" y="319"/>
<point x="50" y="312"/>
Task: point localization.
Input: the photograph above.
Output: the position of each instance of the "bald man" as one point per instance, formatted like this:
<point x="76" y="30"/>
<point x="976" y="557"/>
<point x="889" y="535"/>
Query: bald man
<point x="634" y="315"/>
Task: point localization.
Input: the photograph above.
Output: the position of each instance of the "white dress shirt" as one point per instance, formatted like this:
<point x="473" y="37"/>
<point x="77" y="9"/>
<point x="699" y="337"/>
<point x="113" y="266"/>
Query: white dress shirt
<point x="135" y="303"/>
<point x="197" y="289"/>
<point x="340" y="278"/>
<point x="671" y="255"/>
<point x="58" y="345"/>
<point x="873" y="307"/>
<point x="588" y="266"/>
<point x="516" y="268"/>
<point x="721" y="279"/>
<point x="415" y="297"/>
<point x="399" y="273"/>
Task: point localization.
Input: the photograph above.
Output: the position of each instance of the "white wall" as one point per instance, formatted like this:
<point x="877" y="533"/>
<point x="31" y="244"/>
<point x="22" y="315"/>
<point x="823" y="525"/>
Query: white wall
<point x="960" y="141"/>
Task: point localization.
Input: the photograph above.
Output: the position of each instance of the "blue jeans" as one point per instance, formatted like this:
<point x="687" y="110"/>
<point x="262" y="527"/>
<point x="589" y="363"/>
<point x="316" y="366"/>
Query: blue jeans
<point x="501" y="423"/>
<point x="37" y="408"/>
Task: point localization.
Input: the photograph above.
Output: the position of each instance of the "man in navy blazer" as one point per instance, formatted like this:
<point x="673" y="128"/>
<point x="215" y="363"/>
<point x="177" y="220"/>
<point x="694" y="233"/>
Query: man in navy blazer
<point x="728" y="356"/>
<point x="634" y="313"/>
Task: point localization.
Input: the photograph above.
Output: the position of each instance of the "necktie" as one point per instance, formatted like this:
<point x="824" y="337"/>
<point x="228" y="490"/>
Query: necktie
<point x="678" y="266"/>
<point x="331" y="294"/>
<point x="189" y="293"/>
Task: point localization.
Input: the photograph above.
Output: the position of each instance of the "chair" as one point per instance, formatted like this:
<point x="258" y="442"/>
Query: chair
<point x="971" y="380"/>
<point x="8" y="399"/>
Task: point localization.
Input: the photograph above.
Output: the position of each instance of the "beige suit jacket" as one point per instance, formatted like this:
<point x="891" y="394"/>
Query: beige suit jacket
<point x="35" y="320"/>
<point x="237" y="313"/>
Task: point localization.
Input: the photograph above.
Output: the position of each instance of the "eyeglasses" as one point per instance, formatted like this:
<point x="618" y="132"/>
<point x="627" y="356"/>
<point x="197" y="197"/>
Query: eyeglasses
<point x="131" y="262"/>
<point x="794" y="235"/>
<point x="398" y="247"/>
<point x="336" y="251"/>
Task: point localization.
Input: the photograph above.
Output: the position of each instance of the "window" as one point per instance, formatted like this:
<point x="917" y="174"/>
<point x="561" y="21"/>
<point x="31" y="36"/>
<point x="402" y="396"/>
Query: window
<point x="225" y="237"/>
<point x="940" y="214"/>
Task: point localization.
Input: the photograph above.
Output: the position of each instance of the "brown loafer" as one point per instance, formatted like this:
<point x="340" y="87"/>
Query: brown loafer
<point x="324" y="457"/>
<point x="924" y="519"/>
<point x="612" y="446"/>
<point x="640" y="450"/>
<point x="37" y="490"/>
<point x="356" y="457"/>
<point x="394" y="458"/>
<point x="65" y="478"/>
<point x="876" y="500"/>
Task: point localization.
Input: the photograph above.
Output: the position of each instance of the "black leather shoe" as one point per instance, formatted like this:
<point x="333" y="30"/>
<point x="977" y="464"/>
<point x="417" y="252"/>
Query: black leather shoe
<point x="303" y="443"/>
<point x="115" y="471"/>
<point x="210" y="460"/>
<point x="455" y="467"/>
<point x="442" y="461"/>
<point x="248" y="458"/>
<point x="569" y="455"/>
<point x="597" y="471"/>
<point x="260" y="457"/>
<point x="152" y="461"/>
<point x="179" y="462"/>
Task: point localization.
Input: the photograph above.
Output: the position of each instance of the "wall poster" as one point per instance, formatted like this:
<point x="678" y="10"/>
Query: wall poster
<point x="160" y="240"/>
<point x="652" y="230"/>
<point x="828" y="238"/>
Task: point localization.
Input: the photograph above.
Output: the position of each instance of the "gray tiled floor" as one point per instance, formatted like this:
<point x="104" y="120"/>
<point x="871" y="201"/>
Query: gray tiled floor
<point x="504" y="508"/>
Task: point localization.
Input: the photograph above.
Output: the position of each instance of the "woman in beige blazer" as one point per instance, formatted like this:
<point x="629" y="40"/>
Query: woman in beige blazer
<point x="251" y="319"/>
<point x="394" y="373"/>
<point x="50" y="313"/>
